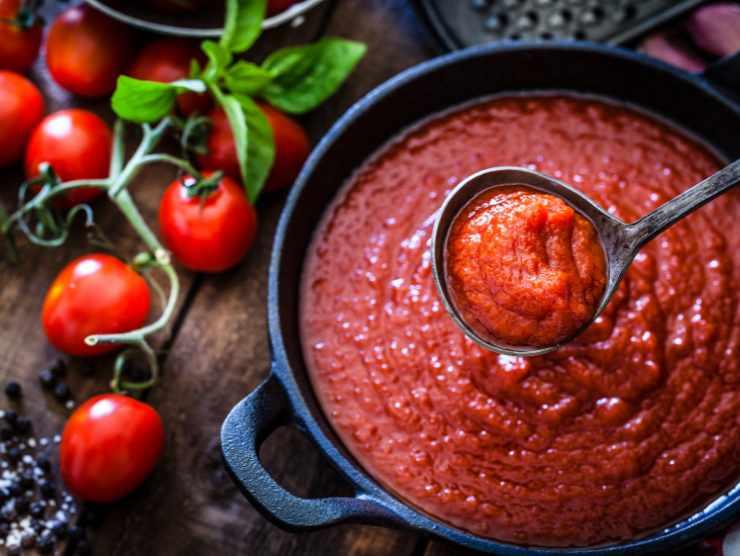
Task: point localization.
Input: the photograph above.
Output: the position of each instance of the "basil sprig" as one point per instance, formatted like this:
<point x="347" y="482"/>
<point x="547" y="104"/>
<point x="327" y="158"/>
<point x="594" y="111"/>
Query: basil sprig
<point x="296" y="80"/>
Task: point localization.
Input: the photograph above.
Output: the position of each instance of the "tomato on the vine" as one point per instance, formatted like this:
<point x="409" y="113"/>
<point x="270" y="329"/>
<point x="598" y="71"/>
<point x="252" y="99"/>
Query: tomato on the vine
<point x="77" y="144"/>
<point x="86" y="51"/>
<point x="277" y="6"/>
<point x="167" y="60"/>
<point x="94" y="294"/>
<point x="21" y="108"/>
<point x="110" y="444"/>
<point x="19" y="46"/>
<point x="208" y="230"/>
<point x="292" y="147"/>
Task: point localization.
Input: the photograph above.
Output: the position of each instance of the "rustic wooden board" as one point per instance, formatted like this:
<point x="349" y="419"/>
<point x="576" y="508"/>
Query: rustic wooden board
<point x="221" y="353"/>
<point x="219" y="347"/>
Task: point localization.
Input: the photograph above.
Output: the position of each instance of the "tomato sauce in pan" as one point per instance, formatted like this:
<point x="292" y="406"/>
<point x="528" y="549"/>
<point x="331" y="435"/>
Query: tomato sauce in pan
<point x="523" y="267"/>
<point x="630" y="426"/>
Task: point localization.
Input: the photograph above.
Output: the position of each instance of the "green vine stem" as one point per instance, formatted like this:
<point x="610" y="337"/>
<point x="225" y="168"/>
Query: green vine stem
<point x="121" y="175"/>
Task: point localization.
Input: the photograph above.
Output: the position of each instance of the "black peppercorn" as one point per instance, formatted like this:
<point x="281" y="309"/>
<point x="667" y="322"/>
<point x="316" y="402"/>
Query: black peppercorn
<point x="61" y="392"/>
<point x="47" y="489"/>
<point x="6" y="434"/>
<point x="28" y="540"/>
<point x="13" y="454"/>
<point x="15" y="489"/>
<point x="22" y="506"/>
<point x="27" y="481"/>
<point x="47" y="379"/>
<point x="45" y="543"/>
<point x="23" y="425"/>
<point x="11" y="417"/>
<point x="59" y="368"/>
<point x="44" y="463"/>
<point x="37" y="509"/>
<point x="13" y="390"/>
<point x="59" y="528"/>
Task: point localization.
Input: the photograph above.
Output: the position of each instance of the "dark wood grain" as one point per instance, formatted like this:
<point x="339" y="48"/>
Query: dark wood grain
<point x="219" y="349"/>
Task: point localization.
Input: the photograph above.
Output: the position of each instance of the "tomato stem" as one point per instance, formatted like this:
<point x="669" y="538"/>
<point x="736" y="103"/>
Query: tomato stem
<point x="121" y="174"/>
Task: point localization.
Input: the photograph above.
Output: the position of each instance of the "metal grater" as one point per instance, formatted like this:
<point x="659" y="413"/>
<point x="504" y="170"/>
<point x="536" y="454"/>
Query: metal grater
<point x="461" y="23"/>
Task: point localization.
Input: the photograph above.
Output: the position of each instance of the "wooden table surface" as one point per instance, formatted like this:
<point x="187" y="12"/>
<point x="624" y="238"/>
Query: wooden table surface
<point x="216" y="350"/>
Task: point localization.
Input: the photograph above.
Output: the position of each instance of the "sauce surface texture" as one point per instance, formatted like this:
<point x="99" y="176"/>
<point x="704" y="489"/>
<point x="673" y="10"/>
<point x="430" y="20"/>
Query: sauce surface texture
<point x="523" y="267"/>
<point x="631" y="426"/>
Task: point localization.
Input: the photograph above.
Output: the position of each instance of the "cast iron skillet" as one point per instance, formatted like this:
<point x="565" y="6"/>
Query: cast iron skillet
<point x="696" y="103"/>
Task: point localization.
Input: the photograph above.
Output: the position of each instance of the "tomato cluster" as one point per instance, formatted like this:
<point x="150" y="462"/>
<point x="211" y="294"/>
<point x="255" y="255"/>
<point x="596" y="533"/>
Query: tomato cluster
<point x="112" y="442"/>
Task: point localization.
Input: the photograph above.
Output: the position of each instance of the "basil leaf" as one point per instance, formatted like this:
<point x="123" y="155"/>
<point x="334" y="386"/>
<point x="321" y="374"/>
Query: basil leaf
<point x="243" y="23"/>
<point x="238" y="125"/>
<point x="141" y="101"/>
<point x="261" y="146"/>
<point x="246" y="78"/>
<point x="304" y="77"/>
<point x="218" y="59"/>
<point x="195" y="85"/>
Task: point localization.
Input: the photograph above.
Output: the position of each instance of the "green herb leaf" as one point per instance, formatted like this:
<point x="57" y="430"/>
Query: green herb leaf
<point x="195" y="85"/>
<point x="142" y="101"/>
<point x="261" y="146"/>
<point x="218" y="59"/>
<point x="246" y="78"/>
<point x="243" y="23"/>
<point x="238" y="125"/>
<point x="305" y="76"/>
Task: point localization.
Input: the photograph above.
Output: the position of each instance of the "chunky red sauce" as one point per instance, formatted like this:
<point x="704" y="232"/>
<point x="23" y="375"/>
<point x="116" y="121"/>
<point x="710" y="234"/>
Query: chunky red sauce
<point x="632" y="425"/>
<point x="523" y="267"/>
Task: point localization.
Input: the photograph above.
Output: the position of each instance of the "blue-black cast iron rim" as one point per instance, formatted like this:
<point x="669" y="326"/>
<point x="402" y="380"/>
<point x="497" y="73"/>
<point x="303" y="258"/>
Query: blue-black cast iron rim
<point x="722" y="510"/>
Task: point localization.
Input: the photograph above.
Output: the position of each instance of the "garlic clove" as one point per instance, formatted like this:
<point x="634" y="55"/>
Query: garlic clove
<point x="716" y="28"/>
<point x="663" y="47"/>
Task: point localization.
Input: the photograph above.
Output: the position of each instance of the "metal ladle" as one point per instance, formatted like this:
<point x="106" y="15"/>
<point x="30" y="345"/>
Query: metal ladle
<point x="620" y="241"/>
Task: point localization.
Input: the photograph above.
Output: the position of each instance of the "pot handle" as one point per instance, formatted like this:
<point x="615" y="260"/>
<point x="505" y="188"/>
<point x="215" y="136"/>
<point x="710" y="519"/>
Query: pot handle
<point x="247" y="426"/>
<point x="725" y="73"/>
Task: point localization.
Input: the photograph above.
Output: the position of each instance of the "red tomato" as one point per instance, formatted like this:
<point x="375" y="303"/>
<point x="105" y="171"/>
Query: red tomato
<point x="94" y="294"/>
<point x="167" y="60"/>
<point x="207" y="233"/>
<point x="110" y="444"/>
<point x="19" y="47"/>
<point x="86" y="51"/>
<point x="21" y="108"/>
<point x="77" y="144"/>
<point x="291" y="148"/>
<point x="277" y="6"/>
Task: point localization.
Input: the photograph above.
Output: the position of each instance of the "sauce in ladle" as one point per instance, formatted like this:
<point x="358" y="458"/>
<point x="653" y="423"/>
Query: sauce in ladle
<point x="523" y="267"/>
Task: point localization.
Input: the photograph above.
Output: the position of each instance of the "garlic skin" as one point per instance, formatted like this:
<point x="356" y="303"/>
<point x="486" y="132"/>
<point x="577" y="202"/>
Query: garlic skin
<point x="716" y="28"/>
<point x="662" y="47"/>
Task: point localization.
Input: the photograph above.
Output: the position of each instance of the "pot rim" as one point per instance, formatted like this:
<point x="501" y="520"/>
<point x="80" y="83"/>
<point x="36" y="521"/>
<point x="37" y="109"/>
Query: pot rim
<point x="720" y="509"/>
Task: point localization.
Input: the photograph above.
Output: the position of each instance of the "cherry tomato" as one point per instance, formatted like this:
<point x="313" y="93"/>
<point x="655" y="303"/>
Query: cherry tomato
<point x="291" y="148"/>
<point x="110" y="444"/>
<point x="167" y="60"/>
<point x="21" y="109"/>
<point x="86" y="51"/>
<point x="207" y="232"/>
<point x="19" y="47"/>
<point x="77" y="144"/>
<point x="94" y="294"/>
<point x="277" y="6"/>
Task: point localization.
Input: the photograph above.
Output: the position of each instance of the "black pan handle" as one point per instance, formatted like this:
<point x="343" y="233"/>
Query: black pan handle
<point x="725" y="73"/>
<point x="248" y="424"/>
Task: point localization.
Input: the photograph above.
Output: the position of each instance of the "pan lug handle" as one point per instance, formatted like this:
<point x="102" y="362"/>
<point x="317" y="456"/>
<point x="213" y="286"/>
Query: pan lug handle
<point x="247" y="426"/>
<point x="725" y="73"/>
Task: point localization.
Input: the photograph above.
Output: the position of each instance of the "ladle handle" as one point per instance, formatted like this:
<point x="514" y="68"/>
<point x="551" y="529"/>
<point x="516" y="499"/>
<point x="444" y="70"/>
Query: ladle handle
<point x="674" y="210"/>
